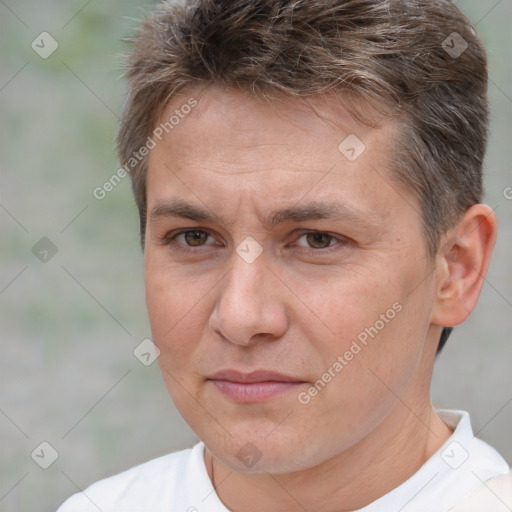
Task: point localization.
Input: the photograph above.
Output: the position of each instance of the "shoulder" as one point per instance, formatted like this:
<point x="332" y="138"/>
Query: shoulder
<point x="462" y="466"/>
<point x="155" y="485"/>
<point x="495" y="495"/>
<point x="473" y="469"/>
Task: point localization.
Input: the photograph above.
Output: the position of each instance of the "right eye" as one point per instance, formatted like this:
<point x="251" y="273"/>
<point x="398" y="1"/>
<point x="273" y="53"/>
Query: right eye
<point x="186" y="239"/>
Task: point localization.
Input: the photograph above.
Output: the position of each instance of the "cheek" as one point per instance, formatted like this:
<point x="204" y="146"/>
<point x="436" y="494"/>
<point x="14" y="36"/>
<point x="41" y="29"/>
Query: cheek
<point x="351" y="305"/>
<point x="176" y="311"/>
<point x="380" y="354"/>
<point x="371" y="328"/>
<point x="174" y="308"/>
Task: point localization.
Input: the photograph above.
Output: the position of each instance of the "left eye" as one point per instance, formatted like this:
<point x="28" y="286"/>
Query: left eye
<point x="317" y="240"/>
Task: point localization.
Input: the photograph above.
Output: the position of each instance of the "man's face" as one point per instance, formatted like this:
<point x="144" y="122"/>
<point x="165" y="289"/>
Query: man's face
<point x="266" y="285"/>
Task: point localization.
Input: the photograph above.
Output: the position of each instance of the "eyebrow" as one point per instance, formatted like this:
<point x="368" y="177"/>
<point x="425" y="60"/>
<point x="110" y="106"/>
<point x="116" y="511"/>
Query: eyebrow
<point x="296" y="213"/>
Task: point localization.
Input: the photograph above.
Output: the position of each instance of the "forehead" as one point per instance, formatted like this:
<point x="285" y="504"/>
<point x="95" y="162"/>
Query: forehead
<point x="251" y="120"/>
<point x="249" y="150"/>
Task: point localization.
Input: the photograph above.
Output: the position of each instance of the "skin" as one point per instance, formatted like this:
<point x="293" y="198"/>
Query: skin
<point x="302" y="301"/>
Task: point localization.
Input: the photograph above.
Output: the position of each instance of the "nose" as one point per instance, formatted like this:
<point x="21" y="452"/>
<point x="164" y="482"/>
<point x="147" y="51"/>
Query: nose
<point x="250" y="304"/>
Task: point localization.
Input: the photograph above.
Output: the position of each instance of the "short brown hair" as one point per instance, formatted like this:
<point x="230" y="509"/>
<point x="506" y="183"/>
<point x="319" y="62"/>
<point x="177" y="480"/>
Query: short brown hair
<point x="408" y="55"/>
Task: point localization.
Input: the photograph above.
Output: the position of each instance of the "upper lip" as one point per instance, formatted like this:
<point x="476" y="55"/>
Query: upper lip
<point x="251" y="377"/>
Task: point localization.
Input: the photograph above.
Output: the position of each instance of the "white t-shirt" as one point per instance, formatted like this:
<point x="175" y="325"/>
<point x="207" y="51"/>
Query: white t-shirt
<point x="179" y="482"/>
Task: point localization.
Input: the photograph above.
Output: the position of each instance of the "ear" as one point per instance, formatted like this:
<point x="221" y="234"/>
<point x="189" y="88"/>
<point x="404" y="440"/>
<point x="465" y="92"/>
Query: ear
<point x="462" y="262"/>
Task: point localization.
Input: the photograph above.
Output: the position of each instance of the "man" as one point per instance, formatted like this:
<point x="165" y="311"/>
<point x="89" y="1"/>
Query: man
<point x="309" y="181"/>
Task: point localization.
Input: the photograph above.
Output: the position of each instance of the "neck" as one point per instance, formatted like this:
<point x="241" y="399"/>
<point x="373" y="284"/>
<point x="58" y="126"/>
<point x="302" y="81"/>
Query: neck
<point x="393" y="452"/>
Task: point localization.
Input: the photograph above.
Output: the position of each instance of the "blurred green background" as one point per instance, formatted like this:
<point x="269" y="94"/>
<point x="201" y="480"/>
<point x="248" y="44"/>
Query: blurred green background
<point x="69" y="326"/>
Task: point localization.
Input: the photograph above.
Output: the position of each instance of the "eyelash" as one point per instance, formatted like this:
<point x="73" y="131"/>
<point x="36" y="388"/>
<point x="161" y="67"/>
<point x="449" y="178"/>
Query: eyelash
<point x="170" y="240"/>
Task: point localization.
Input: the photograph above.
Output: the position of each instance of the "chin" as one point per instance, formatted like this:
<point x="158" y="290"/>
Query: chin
<point x="275" y="454"/>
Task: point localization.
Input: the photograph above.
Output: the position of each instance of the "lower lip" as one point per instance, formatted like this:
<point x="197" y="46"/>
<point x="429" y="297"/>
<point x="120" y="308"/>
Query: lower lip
<point x="252" y="392"/>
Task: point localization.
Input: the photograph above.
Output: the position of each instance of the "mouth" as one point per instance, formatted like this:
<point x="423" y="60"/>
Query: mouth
<point x="253" y="387"/>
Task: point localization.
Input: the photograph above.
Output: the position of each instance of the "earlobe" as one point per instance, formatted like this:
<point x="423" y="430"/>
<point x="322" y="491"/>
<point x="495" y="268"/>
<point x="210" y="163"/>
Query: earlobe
<point x="462" y="263"/>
